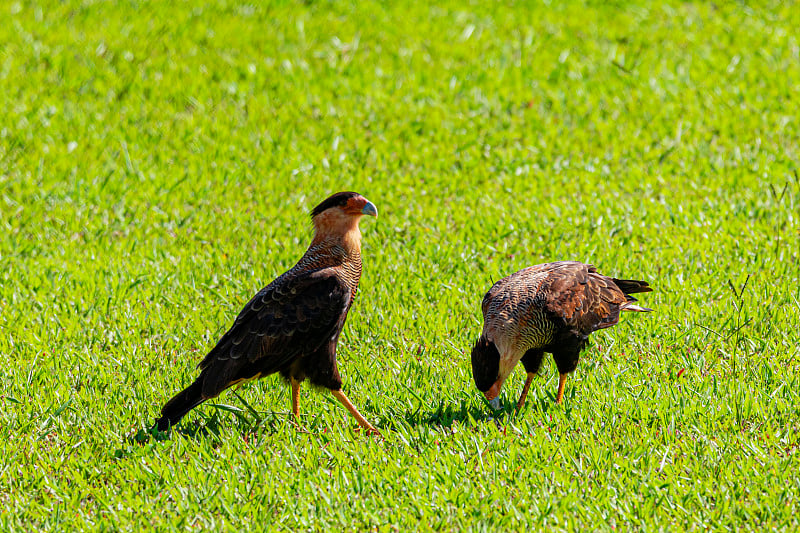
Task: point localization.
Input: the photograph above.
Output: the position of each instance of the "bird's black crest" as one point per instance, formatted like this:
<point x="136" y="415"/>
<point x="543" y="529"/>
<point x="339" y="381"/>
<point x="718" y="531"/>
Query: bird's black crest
<point x="485" y="363"/>
<point x="335" y="200"/>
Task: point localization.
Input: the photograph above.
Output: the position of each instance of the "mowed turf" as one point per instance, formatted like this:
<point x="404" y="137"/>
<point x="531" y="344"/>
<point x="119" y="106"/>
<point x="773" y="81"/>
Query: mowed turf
<point x="157" y="166"/>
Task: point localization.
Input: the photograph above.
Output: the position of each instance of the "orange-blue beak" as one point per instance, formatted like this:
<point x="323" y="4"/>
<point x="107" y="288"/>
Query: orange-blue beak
<point x="370" y="209"/>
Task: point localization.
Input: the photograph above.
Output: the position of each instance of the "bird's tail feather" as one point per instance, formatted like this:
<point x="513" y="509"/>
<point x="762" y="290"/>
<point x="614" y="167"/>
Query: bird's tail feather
<point x="632" y="286"/>
<point x="180" y="404"/>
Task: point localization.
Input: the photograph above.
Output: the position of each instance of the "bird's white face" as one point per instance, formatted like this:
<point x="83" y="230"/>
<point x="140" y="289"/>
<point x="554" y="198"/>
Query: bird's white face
<point x="342" y="220"/>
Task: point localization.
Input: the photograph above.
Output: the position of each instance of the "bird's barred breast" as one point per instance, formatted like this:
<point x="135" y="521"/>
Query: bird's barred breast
<point x="347" y="265"/>
<point x="351" y="274"/>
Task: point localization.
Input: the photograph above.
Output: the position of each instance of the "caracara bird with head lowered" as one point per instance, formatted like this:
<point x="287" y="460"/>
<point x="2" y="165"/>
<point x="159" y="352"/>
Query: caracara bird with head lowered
<point x="292" y="325"/>
<point x="551" y="308"/>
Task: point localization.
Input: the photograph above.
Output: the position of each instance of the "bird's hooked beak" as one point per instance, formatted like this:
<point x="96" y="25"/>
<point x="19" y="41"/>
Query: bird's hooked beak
<point x="370" y="209"/>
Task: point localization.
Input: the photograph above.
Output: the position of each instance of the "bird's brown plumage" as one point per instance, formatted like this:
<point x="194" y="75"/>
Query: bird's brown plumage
<point x="553" y="308"/>
<point x="293" y="324"/>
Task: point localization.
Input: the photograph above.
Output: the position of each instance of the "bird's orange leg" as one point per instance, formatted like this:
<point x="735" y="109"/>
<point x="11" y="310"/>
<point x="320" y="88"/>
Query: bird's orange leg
<point x="524" y="395"/>
<point x="562" y="380"/>
<point x="295" y="398"/>
<point x="339" y="395"/>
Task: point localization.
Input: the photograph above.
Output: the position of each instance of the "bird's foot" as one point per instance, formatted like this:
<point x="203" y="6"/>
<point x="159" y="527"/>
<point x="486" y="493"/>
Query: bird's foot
<point x="368" y="429"/>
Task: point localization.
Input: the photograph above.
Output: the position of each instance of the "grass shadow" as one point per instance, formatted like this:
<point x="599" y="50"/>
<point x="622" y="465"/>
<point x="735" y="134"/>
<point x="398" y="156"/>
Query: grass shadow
<point x="468" y="412"/>
<point x="448" y="413"/>
<point x="210" y="427"/>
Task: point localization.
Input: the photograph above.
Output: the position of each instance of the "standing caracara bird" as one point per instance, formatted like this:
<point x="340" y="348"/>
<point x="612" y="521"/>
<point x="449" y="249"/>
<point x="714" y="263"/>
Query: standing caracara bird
<point x="553" y="308"/>
<point x="292" y="325"/>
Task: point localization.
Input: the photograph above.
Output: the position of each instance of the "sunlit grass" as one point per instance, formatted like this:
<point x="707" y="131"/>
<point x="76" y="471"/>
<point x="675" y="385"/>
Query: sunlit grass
<point x="157" y="166"/>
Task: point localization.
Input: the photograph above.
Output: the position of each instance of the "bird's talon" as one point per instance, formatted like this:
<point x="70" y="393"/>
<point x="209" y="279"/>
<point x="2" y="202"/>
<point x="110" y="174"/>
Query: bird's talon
<point x="368" y="430"/>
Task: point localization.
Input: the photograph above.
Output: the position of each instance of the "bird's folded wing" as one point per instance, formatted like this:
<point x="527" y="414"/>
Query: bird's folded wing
<point x="585" y="300"/>
<point x="294" y="314"/>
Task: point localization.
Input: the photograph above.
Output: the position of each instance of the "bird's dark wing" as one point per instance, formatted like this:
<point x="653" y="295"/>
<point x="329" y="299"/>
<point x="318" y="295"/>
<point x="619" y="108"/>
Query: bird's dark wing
<point x="583" y="298"/>
<point x="293" y="315"/>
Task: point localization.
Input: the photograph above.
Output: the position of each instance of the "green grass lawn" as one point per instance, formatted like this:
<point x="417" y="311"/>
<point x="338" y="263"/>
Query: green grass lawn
<point x="157" y="166"/>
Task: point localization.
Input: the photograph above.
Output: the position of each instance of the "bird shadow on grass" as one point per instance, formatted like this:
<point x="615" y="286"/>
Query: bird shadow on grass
<point x="446" y="414"/>
<point x="470" y="413"/>
<point x="208" y="427"/>
<point x="247" y="421"/>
